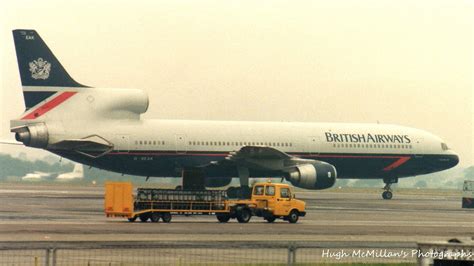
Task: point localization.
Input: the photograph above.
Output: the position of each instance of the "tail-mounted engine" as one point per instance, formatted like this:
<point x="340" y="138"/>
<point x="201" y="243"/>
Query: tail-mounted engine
<point x="35" y="135"/>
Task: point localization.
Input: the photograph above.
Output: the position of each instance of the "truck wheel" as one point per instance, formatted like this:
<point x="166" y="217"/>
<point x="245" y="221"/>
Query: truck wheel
<point x="144" y="217"/>
<point x="223" y="218"/>
<point x="132" y="219"/>
<point x="270" y="219"/>
<point x="166" y="216"/>
<point x="243" y="216"/>
<point x="155" y="217"/>
<point x="293" y="216"/>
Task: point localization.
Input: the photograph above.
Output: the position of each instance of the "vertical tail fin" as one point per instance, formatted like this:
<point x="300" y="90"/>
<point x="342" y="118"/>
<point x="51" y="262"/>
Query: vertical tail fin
<point x="40" y="71"/>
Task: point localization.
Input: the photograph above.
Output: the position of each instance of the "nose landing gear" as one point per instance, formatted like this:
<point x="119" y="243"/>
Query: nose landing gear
<point x="387" y="194"/>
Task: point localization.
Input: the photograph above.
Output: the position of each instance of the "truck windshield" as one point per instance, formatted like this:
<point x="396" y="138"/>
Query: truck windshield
<point x="270" y="190"/>
<point x="258" y="190"/>
<point x="284" y="193"/>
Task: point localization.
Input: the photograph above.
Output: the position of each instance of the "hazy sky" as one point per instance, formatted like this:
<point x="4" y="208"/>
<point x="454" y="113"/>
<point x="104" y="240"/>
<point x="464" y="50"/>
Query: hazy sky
<point x="400" y="62"/>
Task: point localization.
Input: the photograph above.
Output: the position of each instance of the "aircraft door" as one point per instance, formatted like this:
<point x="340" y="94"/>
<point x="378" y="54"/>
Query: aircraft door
<point x="314" y="144"/>
<point x="418" y="148"/>
<point x="122" y="142"/>
<point x="181" y="145"/>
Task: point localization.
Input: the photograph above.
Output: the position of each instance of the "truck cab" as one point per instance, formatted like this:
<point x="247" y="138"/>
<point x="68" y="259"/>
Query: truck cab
<point x="276" y="200"/>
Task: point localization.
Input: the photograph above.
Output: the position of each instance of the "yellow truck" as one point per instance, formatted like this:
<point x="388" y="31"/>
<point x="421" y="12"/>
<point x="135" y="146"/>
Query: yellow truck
<point x="268" y="200"/>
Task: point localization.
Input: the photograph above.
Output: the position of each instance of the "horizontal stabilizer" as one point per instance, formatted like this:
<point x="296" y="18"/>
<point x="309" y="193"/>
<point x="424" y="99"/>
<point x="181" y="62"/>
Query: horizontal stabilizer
<point x="10" y="142"/>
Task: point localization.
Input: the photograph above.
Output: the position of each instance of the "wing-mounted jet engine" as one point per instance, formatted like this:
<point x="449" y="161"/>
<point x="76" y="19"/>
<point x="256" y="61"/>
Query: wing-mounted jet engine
<point x="317" y="175"/>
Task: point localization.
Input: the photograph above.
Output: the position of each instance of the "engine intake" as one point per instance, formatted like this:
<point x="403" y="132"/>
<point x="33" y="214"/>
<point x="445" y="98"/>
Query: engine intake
<point x="319" y="175"/>
<point x="118" y="103"/>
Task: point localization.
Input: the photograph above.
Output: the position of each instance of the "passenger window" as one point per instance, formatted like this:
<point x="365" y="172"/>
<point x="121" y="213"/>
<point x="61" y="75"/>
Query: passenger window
<point x="285" y="193"/>
<point x="258" y="190"/>
<point x="270" y="190"/>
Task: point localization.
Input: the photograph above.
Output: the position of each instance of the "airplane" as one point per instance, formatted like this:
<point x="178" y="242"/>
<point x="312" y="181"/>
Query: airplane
<point x="35" y="176"/>
<point x="103" y="128"/>
<point x="77" y="173"/>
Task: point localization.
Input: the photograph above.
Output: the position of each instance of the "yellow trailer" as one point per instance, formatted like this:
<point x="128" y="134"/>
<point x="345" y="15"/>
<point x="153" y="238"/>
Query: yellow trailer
<point x="268" y="200"/>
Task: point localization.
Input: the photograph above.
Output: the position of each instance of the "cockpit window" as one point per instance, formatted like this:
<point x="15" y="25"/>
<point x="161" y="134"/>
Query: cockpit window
<point x="444" y="147"/>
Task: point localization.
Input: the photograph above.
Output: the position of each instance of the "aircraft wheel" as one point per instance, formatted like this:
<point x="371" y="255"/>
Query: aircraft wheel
<point x="166" y="216"/>
<point x="155" y="217"/>
<point x="245" y="192"/>
<point x="387" y="195"/>
<point x="293" y="216"/>
<point x="232" y="192"/>
<point x="223" y="218"/>
<point x="243" y="216"/>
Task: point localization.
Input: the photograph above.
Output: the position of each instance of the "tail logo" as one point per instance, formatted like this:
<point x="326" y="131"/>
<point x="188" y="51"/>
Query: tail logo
<point x="40" y="69"/>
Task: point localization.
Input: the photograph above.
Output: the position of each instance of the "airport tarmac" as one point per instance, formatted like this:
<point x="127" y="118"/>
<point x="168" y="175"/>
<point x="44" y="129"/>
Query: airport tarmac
<point x="36" y="212"/>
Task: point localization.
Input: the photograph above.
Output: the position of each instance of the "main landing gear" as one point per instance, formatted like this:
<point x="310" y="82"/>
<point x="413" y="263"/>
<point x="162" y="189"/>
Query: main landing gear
<point x="244" y="191"/>
<point x="194" y="179"/>
<point x="387" y="194"/>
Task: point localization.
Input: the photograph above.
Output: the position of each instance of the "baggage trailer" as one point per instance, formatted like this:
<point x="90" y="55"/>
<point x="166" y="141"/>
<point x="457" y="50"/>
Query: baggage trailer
<point x="269" y="200"/>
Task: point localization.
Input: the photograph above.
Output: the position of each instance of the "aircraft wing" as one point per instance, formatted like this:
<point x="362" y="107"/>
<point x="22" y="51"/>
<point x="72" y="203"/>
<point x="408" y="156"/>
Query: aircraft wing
<point x="257" y="152"/>
<point x="262" y="158"/>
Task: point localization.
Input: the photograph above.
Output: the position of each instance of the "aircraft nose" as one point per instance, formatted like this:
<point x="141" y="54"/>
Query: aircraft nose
<point x="454" y="159"/>
<point x="451" y="160"/>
